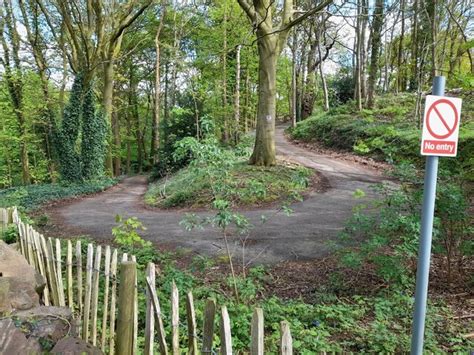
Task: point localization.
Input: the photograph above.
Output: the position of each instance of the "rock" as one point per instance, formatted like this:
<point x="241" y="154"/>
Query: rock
<point x="47" y="322"/>
<point x="20" y="283"/>
<point x="72" y="346"/>
<point x="13" y="341"/>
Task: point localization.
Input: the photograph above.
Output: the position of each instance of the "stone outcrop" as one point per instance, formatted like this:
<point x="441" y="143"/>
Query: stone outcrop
<point x="48" y="323"/>
<point x="20" y="283"/>
<point x="14" y="341"/>
<point x="73" y="346"/>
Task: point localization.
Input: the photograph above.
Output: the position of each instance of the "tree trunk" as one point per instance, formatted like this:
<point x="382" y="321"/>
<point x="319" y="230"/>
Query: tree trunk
<point x="321" y="73"/>
<point x="117" y="143"/>
<point x="247" y="100"/>
<point x="166" y="94"/>
<point x="155" y="139"/>
<point x="107" y="97"/>
<point x="400" y="49"/>
<point x="293" y="80"/>
<point x="264" y="150"/>
<point x="129" y="145"/>
<point x="431" y="9"/>
<point x="224" y="79"/>
<point x="363" y="50"/>
<point x="414" y="48"/>
<point x="374" y="53"/>
<point x="358" y="67"/>
<point x="310" y="90"/>
<point x="237" y="94"/>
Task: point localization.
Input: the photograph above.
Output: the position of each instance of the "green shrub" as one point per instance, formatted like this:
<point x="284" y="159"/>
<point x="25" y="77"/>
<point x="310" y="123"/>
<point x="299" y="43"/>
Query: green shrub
<point x="127" y="232"/>
<point x="218" y="173"/>
<point x="391" y="236"/>
<point x="10" y="234"/>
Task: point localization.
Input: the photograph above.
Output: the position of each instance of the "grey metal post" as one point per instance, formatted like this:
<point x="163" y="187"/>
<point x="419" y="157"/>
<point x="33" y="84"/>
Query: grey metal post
<point x="424" y="251"/>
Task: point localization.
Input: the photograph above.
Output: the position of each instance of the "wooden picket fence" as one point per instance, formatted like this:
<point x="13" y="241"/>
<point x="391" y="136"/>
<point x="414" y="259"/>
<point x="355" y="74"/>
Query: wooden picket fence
<point x="109" y="319"/>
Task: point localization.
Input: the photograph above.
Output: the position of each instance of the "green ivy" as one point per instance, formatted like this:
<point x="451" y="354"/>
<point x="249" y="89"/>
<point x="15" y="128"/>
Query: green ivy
<point x="81" y="159"/>
<point x="94" y="132"/>
<point x="66" y="140"/>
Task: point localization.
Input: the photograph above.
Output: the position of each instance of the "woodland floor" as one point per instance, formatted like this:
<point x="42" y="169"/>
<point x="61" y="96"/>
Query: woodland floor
<point x="310" y="232"/>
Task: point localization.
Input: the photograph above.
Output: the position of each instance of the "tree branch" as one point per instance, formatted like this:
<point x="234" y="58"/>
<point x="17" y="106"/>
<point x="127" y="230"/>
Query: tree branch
<point x="247" y="7"/>
<point x="307" y="14"/>
<point x="128" y="20"/>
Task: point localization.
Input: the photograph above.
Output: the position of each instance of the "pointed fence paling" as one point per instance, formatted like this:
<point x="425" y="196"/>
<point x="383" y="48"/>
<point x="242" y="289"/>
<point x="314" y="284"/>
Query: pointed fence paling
<point x="76" y="282"/>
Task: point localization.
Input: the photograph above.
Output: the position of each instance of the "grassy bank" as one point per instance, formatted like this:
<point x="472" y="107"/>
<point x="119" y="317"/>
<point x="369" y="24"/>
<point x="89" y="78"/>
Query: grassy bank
<point x="217" y="173"/>
<point x="33" y="196"/>
<point x="389" y="132"/>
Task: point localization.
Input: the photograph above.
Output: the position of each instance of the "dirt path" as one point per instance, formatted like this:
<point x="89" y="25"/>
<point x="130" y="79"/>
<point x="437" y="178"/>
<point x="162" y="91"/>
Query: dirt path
<point x="304" y="235"/>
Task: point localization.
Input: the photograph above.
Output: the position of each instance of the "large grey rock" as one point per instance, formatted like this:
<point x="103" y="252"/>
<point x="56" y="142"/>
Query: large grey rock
<point x="73" y="346"/>
<point x="20" y="283"/>
<point x="14" y="341"/>
<point x="47" y="322"/>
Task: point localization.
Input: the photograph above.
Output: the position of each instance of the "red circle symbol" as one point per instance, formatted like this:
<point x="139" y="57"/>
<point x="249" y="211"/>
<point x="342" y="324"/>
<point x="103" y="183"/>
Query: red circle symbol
<point x="433" y="110"/>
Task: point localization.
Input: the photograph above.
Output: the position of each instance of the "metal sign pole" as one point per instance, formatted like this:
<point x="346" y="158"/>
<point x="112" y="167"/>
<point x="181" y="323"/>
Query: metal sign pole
<point x="424" y="252"/>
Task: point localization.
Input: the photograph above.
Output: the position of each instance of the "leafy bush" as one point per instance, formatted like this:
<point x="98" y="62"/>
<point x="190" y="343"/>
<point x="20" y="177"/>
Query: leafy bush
<point x="10" y="234"/>
<point x="218" y="173"/>
<point x="391" y="236"/>
<point x="33" y="196"/>
<point x="180" y="125"/>
<point x="341" y="88"/>
<point x="126" y="233"/>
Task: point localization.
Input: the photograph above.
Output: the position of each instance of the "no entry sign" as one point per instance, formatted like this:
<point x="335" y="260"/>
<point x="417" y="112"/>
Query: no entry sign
<point x="441" y="126"/>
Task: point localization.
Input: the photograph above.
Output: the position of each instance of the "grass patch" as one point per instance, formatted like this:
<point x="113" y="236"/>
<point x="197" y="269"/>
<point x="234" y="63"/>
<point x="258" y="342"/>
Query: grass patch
<point x="33" y="196"/>
<point x="246" y="185"/>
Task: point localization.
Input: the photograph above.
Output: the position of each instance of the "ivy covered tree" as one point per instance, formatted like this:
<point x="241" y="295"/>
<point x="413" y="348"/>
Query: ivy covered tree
<point x="66" y="140"/>
<point x="82" y="136"/>
<point x="94" y="135"/>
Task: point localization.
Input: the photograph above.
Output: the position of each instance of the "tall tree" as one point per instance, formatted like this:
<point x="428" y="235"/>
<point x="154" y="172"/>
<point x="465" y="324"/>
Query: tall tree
<point x="271" y="39"/>
<point x="94" y="32"/>
<point x="155" y="141"/>
<point x="376" y="40"/>
<point x="14" y="76"/>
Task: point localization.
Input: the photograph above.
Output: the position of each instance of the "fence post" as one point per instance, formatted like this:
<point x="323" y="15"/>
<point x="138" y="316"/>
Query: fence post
<point x="286" y="343"/>
<point x="113" y="299"/>
<point x="174" y="319"/>
<point x="191" y="316"/>
<point x="70" y="298"/>
<point x="80" y="300"/>
<point x="158" y="317"/>
<point x="106" y="298"/>
<point x="150" y="315"/>
<point x="88" y="294"/>
<point x="226" y="337"/>
<point x="257" y="343"/>
<point x="208" y="328"/>
<point x="95" y="293"/>
<point x="59" y="274"/>
<point x="126" y="305"/>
